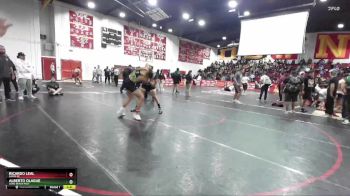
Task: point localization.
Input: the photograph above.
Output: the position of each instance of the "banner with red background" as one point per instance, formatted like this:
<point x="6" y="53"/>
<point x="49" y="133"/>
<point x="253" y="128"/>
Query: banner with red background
<point x="332" y="46"/>
<point x="193" y="53"/>
<point x="139" y="42"/>
<point x="81" y="30"/>
<point x="285" y="56"/>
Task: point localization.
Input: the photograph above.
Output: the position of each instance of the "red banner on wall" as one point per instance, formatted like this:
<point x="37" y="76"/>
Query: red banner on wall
<point x="332" y="46"/>
<point x="193" y="53"/>
<point x="285" y="56"/>
<point x="138" y="42"/>
<point x="81" y="30"/>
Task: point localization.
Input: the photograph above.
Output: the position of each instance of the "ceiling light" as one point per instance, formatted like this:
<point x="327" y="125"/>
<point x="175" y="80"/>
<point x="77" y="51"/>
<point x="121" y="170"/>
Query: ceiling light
<point x="154" y="25"/>
<point x="122" y="14"/>
<point x="218" y="46"/>
<point x="201" y="22"/>
<point x="232" y="4"/>
<point x="323" y="0"/>
<point x="191" y="20"/>
<point x="246" y="13"/>
<point x="232" y="10"/>
<point x="161" y="27"/>
<point x="91" y="5"/>
<point x="186" y="16"/>
<point x="340" y="25"/>
<point x="152" y="2"/>
<point x="224" y="38"/>
<point x="170" y="30"/>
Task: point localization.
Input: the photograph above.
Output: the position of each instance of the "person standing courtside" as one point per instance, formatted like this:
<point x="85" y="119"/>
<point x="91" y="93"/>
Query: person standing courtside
<point x="266" y="83"/>
<point x="307" y="90"/>
<point x="6" y="73"/>
<point x="331" y="94"/>
<point x="345" y="87"/>
<point x="245" y="81"/>
<point x="25" y="76"/>
<point x="107" y="75"/>
<point x="189" y="80"/>
<point x="94" y="75"/>
<point x="14" y="80"/>
<point x="292" y="88"/>
<point x="99" y="74"/>
<point x="116" y="76"/>
<point x="176" y="76"/>
<point x="237" y="79"/>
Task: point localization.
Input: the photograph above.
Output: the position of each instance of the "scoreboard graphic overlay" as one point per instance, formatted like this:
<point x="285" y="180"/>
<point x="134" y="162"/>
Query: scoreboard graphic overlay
<point x="30" y="178"/>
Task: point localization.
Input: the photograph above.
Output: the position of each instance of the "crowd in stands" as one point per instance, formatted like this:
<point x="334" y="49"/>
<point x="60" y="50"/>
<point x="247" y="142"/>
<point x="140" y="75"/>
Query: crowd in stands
<point x="254" y="69"/>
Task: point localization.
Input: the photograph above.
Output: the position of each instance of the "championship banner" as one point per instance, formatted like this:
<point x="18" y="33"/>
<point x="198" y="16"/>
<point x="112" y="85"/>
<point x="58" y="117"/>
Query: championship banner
<point x="193" y="53"/>
<point x="332" y="46"/>
<point x="285" y="57"/>
<point x="146" y="45"/>
<point x="81" y="30"/>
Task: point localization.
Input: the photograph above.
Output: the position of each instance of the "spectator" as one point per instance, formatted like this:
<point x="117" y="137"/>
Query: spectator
<point x="6" y="73"/>
<point x="189" y="80"/>
<point x="245" y="81"/>
<point x="162" y="81"/>
<point x="346" y="100"/>
<point x="157" y="80"/>
<point x="99" y="74"/>
<point x="94" y="75"/>
<point x="331" y="94"/>
<point x="25" y="76"/>
<point x="176" y="76"/>
<point x="280" y="85"/>
<point x="116" y="76"/>
<point x="292" y="89"/>
<point x="76" y="76"/>
<point x="14" y="80"/>
<point x="266" y="83"/>
<point x="307" y="90"/>
<point x="54" y="88"/>
<point x="237" y="84"/>
<point x="107" y="75"/>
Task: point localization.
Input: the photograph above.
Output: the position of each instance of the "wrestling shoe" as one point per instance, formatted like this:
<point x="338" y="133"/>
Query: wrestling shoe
<point x="121" y="112"/>
<point x="137" y="116"/>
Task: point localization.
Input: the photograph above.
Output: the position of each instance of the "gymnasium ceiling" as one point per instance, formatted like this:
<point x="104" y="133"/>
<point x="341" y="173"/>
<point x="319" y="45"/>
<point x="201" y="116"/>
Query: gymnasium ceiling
<point x="324" y="16"/>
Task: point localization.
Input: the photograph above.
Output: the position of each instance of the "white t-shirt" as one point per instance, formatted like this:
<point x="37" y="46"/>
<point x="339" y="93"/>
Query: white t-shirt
<point x="24" y="70"/>
<point x="340" y="84"/>
<point x="265" y="79"/>
<point x="245" y="80"/>
<point x="116" y="72"/>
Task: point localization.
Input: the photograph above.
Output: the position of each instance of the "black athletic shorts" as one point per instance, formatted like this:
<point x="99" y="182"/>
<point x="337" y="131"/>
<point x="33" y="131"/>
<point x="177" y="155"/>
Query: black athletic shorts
<point x="129" y="85"/>
<point x="307" y="95"/>
<point x="237" y="88"/>
<point x="245" y="87"/>
<point x="291" y="97"/>
<point x="148" y="87"/>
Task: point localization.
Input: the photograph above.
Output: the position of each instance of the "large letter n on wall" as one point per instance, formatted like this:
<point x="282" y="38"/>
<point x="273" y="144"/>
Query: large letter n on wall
<point x="332" y="46"/>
